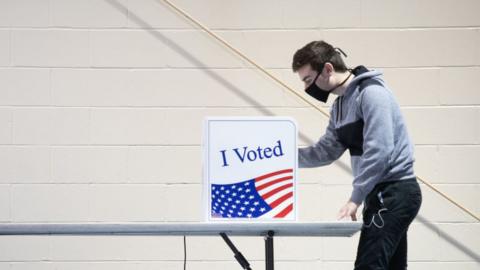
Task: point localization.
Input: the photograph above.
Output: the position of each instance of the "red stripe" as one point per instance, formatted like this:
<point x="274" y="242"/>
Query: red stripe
<point x="274" y="191"/>
<point x="281" y="199"/>
<point x="273" y="182"/>
<point x="285" y="212"/>
<point x="273" y="174"/>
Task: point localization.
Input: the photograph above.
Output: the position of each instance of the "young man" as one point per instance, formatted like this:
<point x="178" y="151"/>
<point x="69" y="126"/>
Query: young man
<point x="366" y="120"/>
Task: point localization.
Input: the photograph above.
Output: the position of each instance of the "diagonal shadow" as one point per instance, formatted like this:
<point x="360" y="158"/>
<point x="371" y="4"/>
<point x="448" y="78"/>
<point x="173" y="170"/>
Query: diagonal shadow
<point x="454" y="242"/>
<point x="238" y="92"/>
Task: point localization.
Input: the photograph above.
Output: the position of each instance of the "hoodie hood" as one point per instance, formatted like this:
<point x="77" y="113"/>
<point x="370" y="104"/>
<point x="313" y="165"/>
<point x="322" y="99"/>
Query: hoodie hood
<point x="362" y="73"/>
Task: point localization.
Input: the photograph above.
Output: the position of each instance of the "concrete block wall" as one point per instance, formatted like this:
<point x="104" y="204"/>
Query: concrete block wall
<point x="102" y="102"/>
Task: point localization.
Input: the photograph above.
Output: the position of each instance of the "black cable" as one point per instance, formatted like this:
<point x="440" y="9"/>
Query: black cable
<point x="185" y="252"/>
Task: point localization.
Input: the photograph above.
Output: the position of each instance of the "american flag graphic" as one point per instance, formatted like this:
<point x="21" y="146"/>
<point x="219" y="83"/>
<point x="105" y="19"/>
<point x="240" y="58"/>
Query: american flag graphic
<point x="269" y="196"/>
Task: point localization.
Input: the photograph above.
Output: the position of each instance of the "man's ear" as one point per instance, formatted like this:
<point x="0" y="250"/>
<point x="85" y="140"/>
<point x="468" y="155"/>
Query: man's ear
<point x="328" y="70"/>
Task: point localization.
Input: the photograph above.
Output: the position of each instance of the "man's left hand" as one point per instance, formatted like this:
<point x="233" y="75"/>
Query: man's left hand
<point x="348" y="210"/>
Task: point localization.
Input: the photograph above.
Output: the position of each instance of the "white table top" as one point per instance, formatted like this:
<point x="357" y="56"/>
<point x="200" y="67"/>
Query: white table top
<point x="337" y="229"/>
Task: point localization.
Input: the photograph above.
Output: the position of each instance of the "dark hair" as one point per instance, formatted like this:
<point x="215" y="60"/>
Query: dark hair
<point x="317" y="53"/>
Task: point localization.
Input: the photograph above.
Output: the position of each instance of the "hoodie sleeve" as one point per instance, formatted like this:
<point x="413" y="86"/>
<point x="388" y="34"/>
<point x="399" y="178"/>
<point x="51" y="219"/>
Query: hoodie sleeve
<point x="324" y="152"/>
<point x="376" y="107"/>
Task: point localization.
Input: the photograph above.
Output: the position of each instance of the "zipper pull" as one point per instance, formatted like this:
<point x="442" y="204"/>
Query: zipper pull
<point x="380" y="197"/>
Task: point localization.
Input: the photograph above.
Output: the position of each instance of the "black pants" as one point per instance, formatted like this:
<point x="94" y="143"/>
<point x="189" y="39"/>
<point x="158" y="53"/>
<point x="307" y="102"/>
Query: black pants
<point x="388" y="211"/>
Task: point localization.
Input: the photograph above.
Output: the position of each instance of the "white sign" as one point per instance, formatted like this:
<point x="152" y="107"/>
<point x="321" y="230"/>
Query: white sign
<point x="250" y="167"/>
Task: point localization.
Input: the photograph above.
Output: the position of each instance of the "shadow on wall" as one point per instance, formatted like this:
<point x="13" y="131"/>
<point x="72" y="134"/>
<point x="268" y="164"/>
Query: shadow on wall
<point x="238" y="92"/>
<point x="454" y="242"/>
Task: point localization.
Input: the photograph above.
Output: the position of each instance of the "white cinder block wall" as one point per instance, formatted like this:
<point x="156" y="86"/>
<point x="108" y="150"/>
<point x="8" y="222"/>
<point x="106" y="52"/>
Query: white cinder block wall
<point x="102" y="102"/>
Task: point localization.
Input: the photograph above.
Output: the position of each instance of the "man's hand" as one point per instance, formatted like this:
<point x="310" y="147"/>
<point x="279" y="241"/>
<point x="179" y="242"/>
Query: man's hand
<point x="348" y="210"/>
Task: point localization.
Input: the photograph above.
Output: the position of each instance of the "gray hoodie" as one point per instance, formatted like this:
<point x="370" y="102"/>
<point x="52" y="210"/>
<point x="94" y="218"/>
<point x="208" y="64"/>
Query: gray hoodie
<point x="367" y="121"/>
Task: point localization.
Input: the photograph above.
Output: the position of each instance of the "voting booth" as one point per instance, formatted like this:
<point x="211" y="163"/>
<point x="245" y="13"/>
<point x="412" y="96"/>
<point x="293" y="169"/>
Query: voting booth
<point x="250" y="168"/>
<point x="250" y="177"/>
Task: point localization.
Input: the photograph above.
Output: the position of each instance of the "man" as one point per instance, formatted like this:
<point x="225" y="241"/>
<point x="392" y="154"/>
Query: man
<point x="366" y="120"/>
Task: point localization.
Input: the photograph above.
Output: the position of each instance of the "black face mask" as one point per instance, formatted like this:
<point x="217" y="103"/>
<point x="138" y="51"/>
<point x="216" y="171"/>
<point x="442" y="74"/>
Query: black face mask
<point x="316" y="92"/>
<point x="320" y="94"/>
